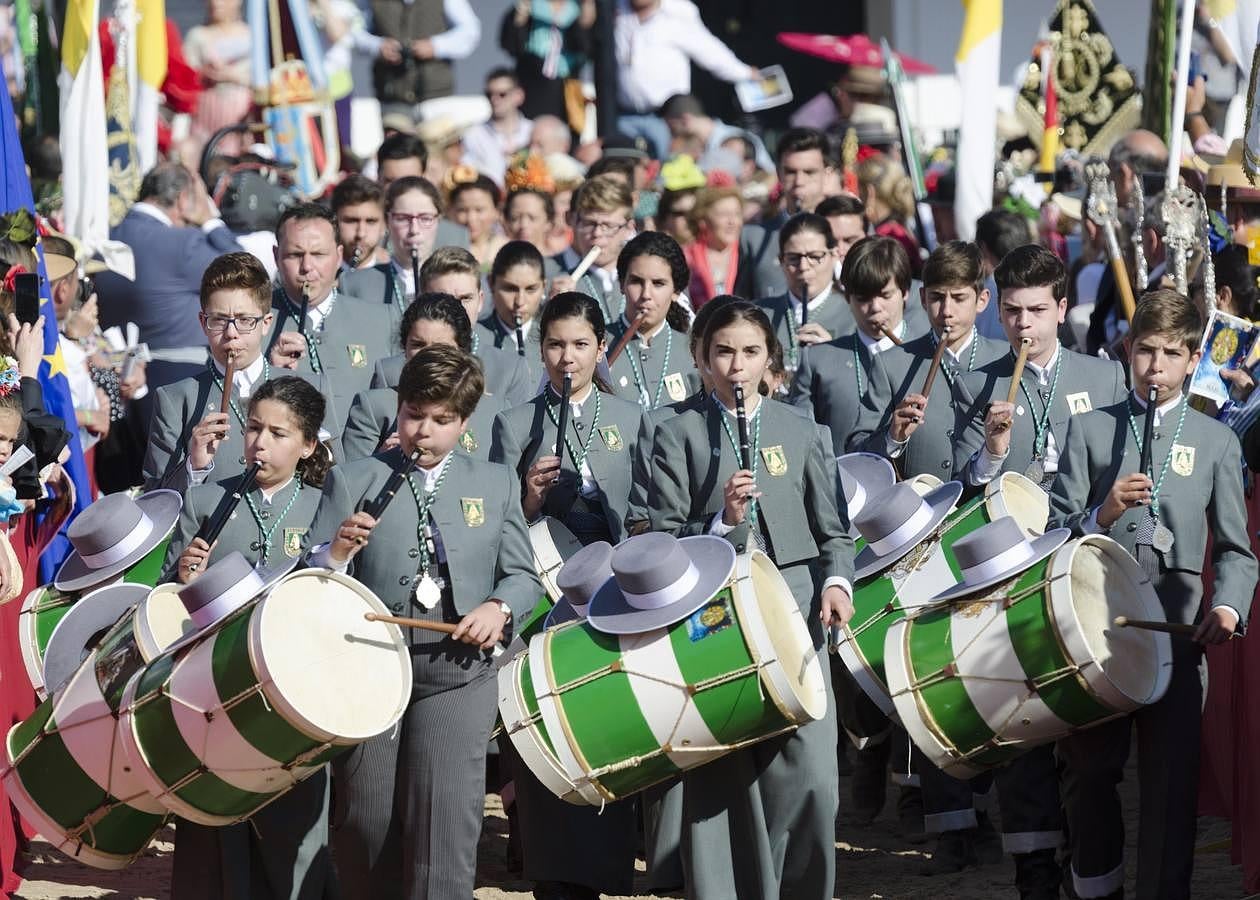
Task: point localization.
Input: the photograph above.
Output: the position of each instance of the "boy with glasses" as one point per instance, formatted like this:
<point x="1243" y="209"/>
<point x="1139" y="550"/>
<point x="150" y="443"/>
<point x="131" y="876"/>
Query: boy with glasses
<point x="601" y="216"/>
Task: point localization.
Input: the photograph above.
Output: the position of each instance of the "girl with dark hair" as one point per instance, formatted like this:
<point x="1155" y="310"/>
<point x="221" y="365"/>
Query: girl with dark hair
<point x="284" y="844"/>
<point x="475" y="205"/>
<point x="583" y="481"/>
<point x="372" y="424"/>
<point x="759" y="822"/>
<point x="655" y="367"/>
<point x="517" y="285"/>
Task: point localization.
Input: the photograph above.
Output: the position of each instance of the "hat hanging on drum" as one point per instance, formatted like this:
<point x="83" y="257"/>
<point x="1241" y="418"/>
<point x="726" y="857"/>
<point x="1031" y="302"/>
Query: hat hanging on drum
<point x="658" y="580"/>
<point x="896" y="525"/>
<point x="863" y="477"/>
<point x="115" y="533"/>
<point x="583" y="574"/>
<point x="224" y="588"/>
<point x="997" y="552"/>
<point x="84" y="625"/>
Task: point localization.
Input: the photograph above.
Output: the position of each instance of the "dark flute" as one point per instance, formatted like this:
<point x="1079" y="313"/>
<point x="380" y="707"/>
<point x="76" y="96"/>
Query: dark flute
<point x="356" y="256"/>
<point x="1148" y="430"/>
<point x="306" y="306"/>
<point x="377" y="504"/>
<point x="804" y="312"/>
<point x="562" y="418"/>
<point x="741" y="417"/>
<point x="415" y="272"/>
<point x="520" y="335"/>
<point x="935" y="366"/>
<point x="213" y="525"/>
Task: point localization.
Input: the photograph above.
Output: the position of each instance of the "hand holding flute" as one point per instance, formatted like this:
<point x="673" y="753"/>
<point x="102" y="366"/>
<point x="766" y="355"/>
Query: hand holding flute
<point x="194" y="556"/>
<point x="1000" y="415"/>
<point x="354" y="532"/>
<point x="912" y="409"/>
<point x="741" y="488"/>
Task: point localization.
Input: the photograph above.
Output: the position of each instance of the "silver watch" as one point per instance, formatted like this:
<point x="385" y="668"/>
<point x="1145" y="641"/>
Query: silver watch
<point x="506" y="610"/>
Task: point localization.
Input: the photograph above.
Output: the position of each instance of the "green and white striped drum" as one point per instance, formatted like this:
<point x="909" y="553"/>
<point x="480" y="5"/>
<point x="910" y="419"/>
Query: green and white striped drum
<point x="612" y="715"/>
<point x="983" y="678"/>
<point x="552" y="545"/>
<point x="910" y="584"/>
<point x="149" y="569"/>
<point x="226" y="721"/>
<point x="42" y="609"/>
<point x="65" y="771"/>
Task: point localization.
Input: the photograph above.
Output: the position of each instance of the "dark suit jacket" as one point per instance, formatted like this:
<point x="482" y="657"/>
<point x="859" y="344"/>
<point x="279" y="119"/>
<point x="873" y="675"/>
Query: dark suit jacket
<point x="164" y="298"/>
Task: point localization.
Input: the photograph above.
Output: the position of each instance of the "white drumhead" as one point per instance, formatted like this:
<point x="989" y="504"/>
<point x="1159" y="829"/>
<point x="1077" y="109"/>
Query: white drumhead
<point x="330" y="672"/>
<point x="552" y="544"/>
<point x="1011" y="494"/>
<point x="160" y="620"/>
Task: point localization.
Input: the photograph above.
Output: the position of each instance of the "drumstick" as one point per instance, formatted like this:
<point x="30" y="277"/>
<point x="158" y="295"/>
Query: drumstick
<point x="1020" y="360"/>
<point x="1166" y="627"/>
<point x="625" y="339"/>
<point x="888" y="333"/>
<point x="229" y="372"/>
<point x="520" y="335"/>
<point x="214" y="524"/>
<point x="1148" y="429"/>
<point x="741" y="418"/>
<point x="585" y="265"/>
<point x="415" y="272"/>
<point x="377" y="504"/>
<point x="562" y="418"/>
<point x="423" y="624"/>
<point x="935" y="365"/>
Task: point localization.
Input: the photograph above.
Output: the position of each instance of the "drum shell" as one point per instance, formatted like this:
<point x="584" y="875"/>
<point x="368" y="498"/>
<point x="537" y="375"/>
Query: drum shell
<point x="39" y="616"/>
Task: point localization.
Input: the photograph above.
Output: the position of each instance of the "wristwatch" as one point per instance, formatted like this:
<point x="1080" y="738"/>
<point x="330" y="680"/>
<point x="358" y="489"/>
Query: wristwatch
<point x="506" y="610"/>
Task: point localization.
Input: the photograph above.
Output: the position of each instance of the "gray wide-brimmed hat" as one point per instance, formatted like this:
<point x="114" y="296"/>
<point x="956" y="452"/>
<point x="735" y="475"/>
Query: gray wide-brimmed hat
<point x="227" y="586"/>
<point x="115" y="533"/>
<point x="584" y="573"/>
<point x="658" y="580"/>
<point x="898" y="522"/>
<point x="996" y="552"/>
<point x="863" y="477"/>
<point x="83" y="626"/>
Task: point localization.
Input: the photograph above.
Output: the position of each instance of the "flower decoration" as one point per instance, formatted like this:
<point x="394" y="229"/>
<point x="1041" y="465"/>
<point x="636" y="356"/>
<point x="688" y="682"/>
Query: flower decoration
<point x="460" y="174"/>
<point x="720" y="178"/>
<point x="18" y="227"/>
<point x="9" y="283"/>
<point x="529" y="171"/>
<point x="681" y="173"/>
<point x="1220" y="235"/>
<point x="865" y="152"/>
<point x="10" y="380"/>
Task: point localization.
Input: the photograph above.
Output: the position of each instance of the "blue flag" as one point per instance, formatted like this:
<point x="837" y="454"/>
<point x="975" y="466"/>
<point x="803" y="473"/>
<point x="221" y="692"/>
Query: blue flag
<point x="15" y="193"/>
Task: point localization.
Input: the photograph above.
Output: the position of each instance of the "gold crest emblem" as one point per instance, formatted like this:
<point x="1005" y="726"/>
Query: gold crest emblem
<point x="675" y="386"/>
<point x="293" y="542"/>
<point x="358" y="355"/>
<point x="612" y="438"/>
<point x="1182" y="459"/>
<point x="474" y="511"/>
<point x="1224" y="345"/>
<point x="468" y="441"/>
<point x="1079" y="403"/>
<point x="775" y="460"/>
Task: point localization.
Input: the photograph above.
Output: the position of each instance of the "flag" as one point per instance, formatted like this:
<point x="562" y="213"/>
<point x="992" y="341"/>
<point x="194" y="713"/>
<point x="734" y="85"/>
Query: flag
<point x="84" y="150"/>
<point x="120" y="136"/>
<point x="150" y="58"/>
<point x="1050" y="133"/>
<point x="977" y="63"/>
<point x="15" y="193"/>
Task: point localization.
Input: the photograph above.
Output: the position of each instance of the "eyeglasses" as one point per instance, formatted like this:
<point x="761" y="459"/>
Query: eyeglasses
<point x="796" y="260"/>
<point x="219" y="324"/>
<point x="497" y="95"/>
<point x="600" y="228"/>
<point x="424" y="220"/>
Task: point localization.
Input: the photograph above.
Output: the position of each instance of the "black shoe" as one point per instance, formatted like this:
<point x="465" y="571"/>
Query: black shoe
<point x="515" y="861"/>
<point x="954" y="853"/>
<point x="987" y="842"/>
<point x="870" y="783"/>
<point x="910" y="815"/>
<point x="1037" y="875"/>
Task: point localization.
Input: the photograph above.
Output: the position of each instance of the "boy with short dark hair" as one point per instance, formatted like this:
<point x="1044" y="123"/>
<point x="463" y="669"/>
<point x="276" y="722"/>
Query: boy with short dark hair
<point x="452" y="547"/>
<point x="359" y="206"/>
<point x="1163" y="517"/>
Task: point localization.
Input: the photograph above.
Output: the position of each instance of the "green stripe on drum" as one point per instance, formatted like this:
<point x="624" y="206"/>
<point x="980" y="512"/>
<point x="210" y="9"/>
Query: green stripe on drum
<point x="171" y="759"/>
<point x="253" y="717"/>
<point x="531" y="705"/>
<point x="736" y="709"/>
<point x="603" y="714"/>
<point x="48" y="611"/>
<point x="66" y="794"/>
<point x="149" y="569"/>
<point x="532" y="623"/>
<point x="945" y="704"/>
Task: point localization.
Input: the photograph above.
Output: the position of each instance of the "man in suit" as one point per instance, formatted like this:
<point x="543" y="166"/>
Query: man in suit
<point x="1162" y="516"/>
<point x="403" y="154"/>
<point x="341" y="337"/>
<point x="1028" y="436"/>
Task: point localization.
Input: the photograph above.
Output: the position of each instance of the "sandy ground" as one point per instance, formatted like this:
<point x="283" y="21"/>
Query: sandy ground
<point x="879" y="864"/>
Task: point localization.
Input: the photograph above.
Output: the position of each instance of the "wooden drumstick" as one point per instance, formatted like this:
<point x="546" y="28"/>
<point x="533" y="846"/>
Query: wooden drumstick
<point x="1020" y="360"/>
<point x="888" y="333"/>
<point x="935" y="365"/>
<point x="403" y="621"/>
<point x="1173" y="628"/>
<point x="625" y="339"/>
<point x="229" y="372"/>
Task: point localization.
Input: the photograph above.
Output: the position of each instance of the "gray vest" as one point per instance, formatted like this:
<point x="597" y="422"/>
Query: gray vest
<point x="412" y="80"/>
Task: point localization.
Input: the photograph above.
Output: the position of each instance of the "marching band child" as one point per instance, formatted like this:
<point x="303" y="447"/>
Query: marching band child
<point x="517" y="285"/>
<point x="759" y="822"/>
<point x="282" y="851"/>
<point x="452" y="547"/>
<point x="1163" y="517"/>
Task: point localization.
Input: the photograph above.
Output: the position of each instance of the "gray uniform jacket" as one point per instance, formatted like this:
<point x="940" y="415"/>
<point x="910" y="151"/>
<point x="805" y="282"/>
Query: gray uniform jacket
<point x="1201" y="493"/>
<point x="832" y="381"/>
<point x="477" y="514"/>
<point x="507" y="376"/>
<point x="379" y="285"/>
<point x="524" y="433"/>
<point x="490" y="332"/>
<point x="641" y="371"/>
<point x="901" y="371"/>
<point x="374" y="415"/>
<point x="611" y="301"/>
<point x="1085" y="383"/>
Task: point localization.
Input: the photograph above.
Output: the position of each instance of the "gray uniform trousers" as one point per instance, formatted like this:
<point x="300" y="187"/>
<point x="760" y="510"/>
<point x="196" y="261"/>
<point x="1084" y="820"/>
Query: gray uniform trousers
<point x="439" y="750"/>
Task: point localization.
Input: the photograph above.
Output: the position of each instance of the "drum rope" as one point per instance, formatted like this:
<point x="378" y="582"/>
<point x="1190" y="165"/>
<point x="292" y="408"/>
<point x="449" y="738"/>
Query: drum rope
<point x="696" y="687"/>
<point x="669" y="749"/>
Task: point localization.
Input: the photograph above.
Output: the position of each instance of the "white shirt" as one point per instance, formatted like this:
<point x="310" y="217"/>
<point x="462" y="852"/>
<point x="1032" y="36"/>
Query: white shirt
<point x="487" y="149"/>
<point x="875" y="347"/>
<point x="985" y="466"/>
<point x="718" y="528"/>
<point x="406" y="278"/>
<point x="589" y="488"/>
<point x="654" y="56"/>
<point x="510" y="328"/>
<point x="320" y="311"/>
<point x="894" y="448"/>
<point x="815" y="302"/>
<point x="461" y="39"/>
